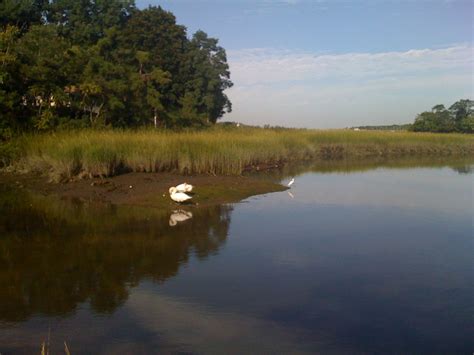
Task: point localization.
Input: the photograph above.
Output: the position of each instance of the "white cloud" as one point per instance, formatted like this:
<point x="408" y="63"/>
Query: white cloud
<point x="259" y="66"/>
<point x="272" y="84"/>
<point x="192" y="327"/>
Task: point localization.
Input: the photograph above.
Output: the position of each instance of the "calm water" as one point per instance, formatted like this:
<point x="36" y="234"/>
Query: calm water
<point x="377" y="261"/>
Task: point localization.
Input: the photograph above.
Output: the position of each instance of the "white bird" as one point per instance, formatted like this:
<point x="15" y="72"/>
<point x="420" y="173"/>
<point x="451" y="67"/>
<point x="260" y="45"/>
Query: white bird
<point x="185" y="187"/>
<point x="291" y="182"/>
<point x="179" y="216"/>
<point x="178" y="196"/>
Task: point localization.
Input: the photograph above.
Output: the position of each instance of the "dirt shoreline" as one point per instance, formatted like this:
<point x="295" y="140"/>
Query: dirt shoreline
<point x="146" y="189"/>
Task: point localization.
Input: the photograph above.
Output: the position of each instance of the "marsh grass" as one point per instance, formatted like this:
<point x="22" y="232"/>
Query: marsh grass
<point x="222" y="151"/>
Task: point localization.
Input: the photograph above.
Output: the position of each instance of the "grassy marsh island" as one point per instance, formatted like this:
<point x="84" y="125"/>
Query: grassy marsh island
<point x="217" y="151"/>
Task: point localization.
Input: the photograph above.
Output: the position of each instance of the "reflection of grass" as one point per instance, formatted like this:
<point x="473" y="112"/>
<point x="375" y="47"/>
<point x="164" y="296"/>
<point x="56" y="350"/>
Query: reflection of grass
<point x="459" y="164"/>
<point x="218" y="150"/>
<point x="45" y="348"/>
<point x="82" y="215"/>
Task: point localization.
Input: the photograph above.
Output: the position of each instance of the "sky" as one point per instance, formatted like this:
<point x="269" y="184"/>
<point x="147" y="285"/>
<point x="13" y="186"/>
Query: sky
<point x="335" y="64"/>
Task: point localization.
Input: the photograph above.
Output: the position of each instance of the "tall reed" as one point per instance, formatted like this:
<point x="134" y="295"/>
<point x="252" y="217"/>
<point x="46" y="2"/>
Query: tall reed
<point x="218" y="150"/>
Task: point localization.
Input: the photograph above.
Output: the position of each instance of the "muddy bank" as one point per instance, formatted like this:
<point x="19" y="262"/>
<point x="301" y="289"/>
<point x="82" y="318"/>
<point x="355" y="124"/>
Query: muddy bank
<point x="147" y="189"/>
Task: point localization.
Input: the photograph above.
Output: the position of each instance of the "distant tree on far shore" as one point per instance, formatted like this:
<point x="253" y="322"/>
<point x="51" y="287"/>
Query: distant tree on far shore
<point x="458" y="118"/>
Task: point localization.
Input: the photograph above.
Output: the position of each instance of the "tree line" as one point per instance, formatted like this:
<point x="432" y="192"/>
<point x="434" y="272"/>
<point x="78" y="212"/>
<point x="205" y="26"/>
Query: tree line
<point x="459" y="117"/>
<point x="93" y="63"/>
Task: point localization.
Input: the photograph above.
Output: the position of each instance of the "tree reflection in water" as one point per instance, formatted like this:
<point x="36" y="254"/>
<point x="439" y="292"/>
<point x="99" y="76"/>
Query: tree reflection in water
<point x="56" y="254"/>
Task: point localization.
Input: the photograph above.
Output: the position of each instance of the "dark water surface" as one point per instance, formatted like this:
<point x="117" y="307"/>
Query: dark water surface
<point x="376" y="261"/>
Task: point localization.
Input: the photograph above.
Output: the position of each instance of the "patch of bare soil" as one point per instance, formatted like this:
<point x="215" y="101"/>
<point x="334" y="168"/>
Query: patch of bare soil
<point x="148" y="189"/>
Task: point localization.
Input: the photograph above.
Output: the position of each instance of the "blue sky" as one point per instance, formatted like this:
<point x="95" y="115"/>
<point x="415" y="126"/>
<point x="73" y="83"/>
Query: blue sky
<point x="333" y="64"/>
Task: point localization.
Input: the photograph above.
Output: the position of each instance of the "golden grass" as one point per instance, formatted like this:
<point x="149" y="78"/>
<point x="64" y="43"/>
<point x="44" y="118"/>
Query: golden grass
<point x="218" y="150"/>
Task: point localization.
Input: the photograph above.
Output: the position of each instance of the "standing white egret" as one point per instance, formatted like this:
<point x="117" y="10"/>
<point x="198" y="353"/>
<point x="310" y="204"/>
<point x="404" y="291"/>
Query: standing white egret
<point x="291" y="182"/>
<point x="178" y="196"/>
<point x="185" y="187"/>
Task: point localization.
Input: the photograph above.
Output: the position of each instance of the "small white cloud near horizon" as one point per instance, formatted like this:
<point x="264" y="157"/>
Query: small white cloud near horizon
<point x="294" y="89"/>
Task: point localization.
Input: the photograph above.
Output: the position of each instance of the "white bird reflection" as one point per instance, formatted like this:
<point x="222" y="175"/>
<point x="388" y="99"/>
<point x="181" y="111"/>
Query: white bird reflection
<point x="290" y="194"/>
<point x="179" y="216"/>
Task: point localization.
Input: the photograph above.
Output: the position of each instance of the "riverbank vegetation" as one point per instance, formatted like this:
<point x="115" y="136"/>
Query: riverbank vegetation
<point x="217" y="150"/>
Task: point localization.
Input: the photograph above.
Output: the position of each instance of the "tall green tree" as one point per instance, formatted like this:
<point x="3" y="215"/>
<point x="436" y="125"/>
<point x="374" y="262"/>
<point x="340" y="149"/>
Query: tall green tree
<point x="86" y="21"/>
<point x="208" y="76"/>
<point x="10" y="86"/>
<point x="154" y="33"/>
<point x="105" y="86"/>
<point x="148" y="85"/>
<point x="42" y="71"/>
<point x="22" y="13"/>
<point x="462" y="112"/>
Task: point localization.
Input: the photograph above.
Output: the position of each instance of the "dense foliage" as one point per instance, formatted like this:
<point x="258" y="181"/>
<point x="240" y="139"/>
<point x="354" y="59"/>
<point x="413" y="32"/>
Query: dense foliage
<point x="458" y="118"/>
<point x="79" y="63"/>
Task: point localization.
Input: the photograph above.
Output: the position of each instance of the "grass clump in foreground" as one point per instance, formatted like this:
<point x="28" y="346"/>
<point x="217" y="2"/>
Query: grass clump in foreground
<point x="223" y="151"/>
